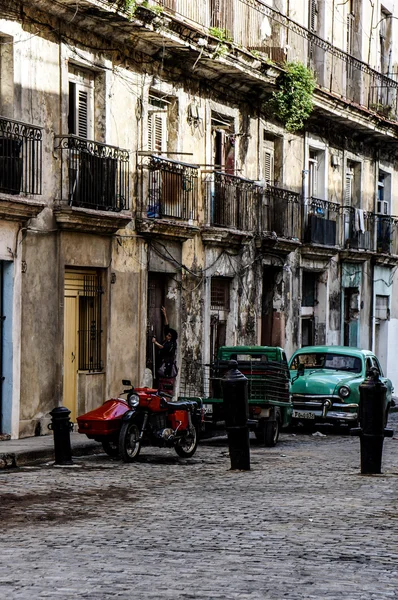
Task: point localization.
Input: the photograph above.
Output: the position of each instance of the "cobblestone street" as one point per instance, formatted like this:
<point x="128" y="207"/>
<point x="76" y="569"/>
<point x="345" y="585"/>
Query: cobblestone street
<point x="303" y="523"/>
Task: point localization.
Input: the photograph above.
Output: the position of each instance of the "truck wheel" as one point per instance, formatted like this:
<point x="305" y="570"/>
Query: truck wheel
<point x="271" y="433"/>
<point x="129" y="442"/>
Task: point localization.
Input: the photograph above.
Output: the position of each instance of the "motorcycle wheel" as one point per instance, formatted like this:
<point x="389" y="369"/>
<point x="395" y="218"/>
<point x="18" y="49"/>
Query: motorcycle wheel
<point x="111" y="448"/>
<point x="129" y="444"/>
<point x="186" y="447"/>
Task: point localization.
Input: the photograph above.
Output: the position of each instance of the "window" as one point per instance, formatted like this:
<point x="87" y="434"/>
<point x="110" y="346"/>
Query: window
<point x="313" y="174"/>
<point x="385" y="41"/>
<point x="220" y="293"/>
<point x="313" y="15"/>
<point x="350" y="27"/>
<point x="309" y="288"/>
<point x="81" y="103"/>
<point x="383" y="186"/>
<point x="157" y="124"/>
<point x="267" y="166"/>
<point x="6" y="76"/>
<point x="90" y="324"/>
<point x="224" y="143"/>
<point x="382" y="309"/>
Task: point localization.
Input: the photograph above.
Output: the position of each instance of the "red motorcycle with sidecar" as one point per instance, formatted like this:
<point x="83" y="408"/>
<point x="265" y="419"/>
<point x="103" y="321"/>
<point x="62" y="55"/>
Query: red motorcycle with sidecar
<point x="145" y="416"/>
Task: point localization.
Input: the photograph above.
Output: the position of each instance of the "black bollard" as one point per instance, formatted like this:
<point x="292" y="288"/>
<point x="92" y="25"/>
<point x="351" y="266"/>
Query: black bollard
<point x="236" y="410"/>
<point x="372" y="416"/>
<point x="61" y="428"/>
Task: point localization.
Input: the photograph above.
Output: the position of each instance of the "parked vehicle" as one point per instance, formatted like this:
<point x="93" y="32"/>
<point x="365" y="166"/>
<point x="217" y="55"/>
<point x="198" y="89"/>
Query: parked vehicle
<point x="266" y="369"/>
<point x="145" y="416"/>
<point x="325" y="383"/>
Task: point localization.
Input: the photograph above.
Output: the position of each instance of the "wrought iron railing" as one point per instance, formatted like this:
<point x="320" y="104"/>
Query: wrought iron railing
<point x="232" y="202"/>
<point x="281" y="213"/>
<point x="387" y="234"/>
<point x="169" y="189"/>
<point x="321" y="222"/>
<point x="97" y="175"/>
<point x="358" y="228"/>
<point x="20" y="157"/>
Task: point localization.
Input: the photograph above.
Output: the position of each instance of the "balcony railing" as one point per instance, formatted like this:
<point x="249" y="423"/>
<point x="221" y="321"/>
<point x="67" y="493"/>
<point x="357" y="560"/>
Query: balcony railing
<point x="97" y="175"/>
<point x="169" y="189"/>
<point x="321" y="219"/>
<point x="232" y="202"/>
<point x="337" y="71"/>
<point x="20" y="157"/>
<point x="387" y="234"/>
<point x="281" y="213"/>
<point x="358" y="228"/>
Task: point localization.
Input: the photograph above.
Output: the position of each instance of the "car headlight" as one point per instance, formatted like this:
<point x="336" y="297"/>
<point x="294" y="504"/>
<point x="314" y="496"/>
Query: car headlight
<point x="344" y="391"/>
<point x="133" y="401"/>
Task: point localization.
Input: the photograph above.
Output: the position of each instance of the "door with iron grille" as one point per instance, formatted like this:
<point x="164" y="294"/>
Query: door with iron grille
<point x="82" y="331"/>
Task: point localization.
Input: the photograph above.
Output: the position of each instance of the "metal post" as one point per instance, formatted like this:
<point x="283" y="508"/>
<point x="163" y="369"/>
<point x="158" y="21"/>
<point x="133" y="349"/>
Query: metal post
<point x="61" y="428"/>
<point x="236" y="410"/>
<point x="371" y="416"/>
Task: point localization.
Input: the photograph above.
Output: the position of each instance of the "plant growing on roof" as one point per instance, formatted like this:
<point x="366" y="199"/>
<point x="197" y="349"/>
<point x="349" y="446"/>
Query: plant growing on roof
<point x="293" y="99"/>
<point x="222" y="34"/>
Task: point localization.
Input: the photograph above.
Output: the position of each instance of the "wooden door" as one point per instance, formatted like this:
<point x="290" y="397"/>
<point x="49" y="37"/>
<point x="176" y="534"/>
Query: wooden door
<point x="70" y="352"/>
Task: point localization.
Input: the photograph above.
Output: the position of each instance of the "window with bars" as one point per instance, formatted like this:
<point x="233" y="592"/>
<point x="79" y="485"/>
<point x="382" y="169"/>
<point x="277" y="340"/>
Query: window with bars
<point x="90" y="330"/>
<point x="220" y="292"/>
<point x="81" y="103"/>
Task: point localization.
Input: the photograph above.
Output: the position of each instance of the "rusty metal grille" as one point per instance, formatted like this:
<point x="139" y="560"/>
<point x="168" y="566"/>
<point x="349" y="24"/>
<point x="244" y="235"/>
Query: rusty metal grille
<point x="90" y="331"/>
<point x="220" y="287"/>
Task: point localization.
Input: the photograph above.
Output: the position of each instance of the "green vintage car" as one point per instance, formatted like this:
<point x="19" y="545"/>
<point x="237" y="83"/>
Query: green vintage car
<point x="325" y="383"/>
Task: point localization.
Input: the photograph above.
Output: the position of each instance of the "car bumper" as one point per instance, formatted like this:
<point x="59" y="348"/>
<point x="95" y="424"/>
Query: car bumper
<point x="337" y="413"/>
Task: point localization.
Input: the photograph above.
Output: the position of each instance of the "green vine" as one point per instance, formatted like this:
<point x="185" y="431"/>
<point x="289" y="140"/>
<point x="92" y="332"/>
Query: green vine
<point x="293" y="100"/>
<point x="222" y="34"/>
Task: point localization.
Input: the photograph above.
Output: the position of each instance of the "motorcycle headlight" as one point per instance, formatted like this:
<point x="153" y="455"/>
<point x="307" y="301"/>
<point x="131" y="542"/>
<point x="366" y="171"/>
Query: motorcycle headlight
<point x="344" y="392"/>
<point x="133" y="401"/>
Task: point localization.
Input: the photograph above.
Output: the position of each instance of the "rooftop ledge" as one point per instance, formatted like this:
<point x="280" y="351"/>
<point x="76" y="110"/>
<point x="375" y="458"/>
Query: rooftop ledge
<point x="148" y="32"/>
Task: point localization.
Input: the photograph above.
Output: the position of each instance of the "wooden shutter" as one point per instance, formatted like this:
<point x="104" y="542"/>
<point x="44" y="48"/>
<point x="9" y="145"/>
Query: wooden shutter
<point x="81" y="103"/>
<point x="267" y="166"/>
<point x="349" y="178"/>
<point x="157" y="132"/>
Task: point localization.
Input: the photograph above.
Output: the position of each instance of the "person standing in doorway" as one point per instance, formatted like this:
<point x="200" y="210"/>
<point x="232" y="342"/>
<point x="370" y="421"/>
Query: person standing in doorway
<point x="167" y="350"/>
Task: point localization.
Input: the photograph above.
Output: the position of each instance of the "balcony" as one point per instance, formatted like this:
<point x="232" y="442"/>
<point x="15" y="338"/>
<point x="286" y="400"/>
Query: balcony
<point x="20" y="158"/>
<point x="281" y="213"/>
<point x="387" y="234"/>
<point x="358" y="229"/>
<point x="321" y="219"/>
<point x="169" y="190"/>
<point x="232" y="202"/>
<point x="94" y="175"/>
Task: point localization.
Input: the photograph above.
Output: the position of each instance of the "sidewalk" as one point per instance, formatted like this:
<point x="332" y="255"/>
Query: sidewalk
<point x="28" y="451"/>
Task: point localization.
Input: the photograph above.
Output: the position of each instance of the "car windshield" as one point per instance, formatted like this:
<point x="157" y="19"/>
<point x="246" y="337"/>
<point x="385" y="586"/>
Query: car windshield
<point x="323" y="360"/>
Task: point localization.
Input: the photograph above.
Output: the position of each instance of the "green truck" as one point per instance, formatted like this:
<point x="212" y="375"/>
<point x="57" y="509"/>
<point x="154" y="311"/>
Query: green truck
<point x="265" y="367"/>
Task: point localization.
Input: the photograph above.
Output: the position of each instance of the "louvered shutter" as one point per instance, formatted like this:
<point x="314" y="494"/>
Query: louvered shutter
<point x="268" y="165"/>
<point x="313" y="18"/>
<point x="157" y="131"/>
<point x="348" y="188"/>
<point x="81" y="103"/>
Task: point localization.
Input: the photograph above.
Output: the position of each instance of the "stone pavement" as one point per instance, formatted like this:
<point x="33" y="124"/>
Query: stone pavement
<point x="29" y="451"/>
<point x="301" y="524"/>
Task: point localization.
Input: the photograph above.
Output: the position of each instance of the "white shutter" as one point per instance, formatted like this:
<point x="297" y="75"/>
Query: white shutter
<point x="313" y="177"/>
<point x="268" y="165"/>
<point x="348" y="187"/>
<point x="83" y="117"/>
<point x="157" y="131"/>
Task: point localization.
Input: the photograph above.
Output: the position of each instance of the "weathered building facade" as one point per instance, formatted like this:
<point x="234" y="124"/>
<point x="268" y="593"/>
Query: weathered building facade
<point x="142" y="164"/>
